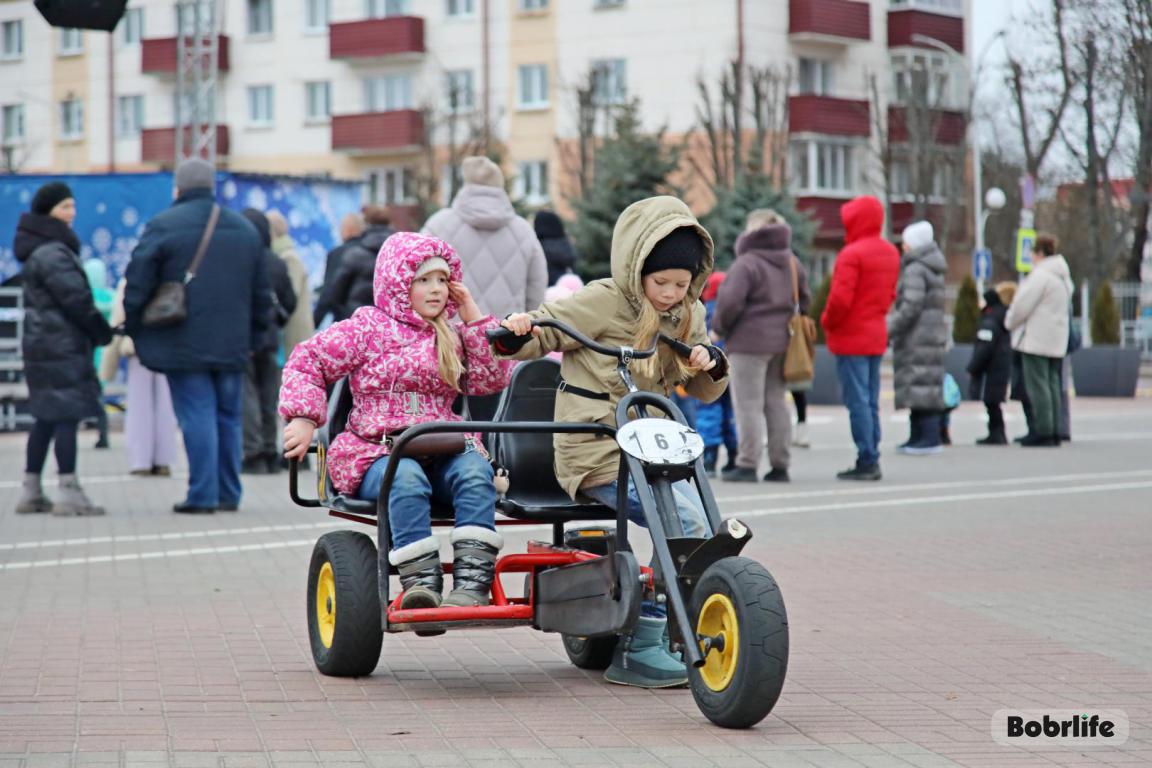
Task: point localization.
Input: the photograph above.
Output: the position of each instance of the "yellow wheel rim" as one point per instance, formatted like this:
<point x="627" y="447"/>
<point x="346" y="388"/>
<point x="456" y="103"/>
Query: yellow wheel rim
<point x="326" y="604"/>
<point x="718" y="620"/>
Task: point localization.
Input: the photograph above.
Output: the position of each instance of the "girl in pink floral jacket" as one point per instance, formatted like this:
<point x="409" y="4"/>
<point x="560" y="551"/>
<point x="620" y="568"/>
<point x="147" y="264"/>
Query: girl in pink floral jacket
<point x="403" y="361"/>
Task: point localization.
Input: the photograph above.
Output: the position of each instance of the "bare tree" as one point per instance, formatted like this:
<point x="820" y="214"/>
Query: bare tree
<point x="464" y="134"/>
<point x="1137" y="36"/>
<point x="578" y="163"/>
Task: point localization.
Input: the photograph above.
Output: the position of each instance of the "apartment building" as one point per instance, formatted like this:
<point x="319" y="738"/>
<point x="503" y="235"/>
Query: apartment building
<point x="388" y="90"/>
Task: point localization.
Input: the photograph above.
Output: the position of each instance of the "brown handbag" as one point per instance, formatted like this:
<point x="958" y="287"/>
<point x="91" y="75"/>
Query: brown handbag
<point x="169" y="305"/>
<point x="798" y="359"/>
<point x="437" y="444"/>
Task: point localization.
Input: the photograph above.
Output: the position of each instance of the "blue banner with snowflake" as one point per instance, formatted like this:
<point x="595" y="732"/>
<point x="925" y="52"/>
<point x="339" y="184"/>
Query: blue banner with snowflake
<point x="112" y="209"/>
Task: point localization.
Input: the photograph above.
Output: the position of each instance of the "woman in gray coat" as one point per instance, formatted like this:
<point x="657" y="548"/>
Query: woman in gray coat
<point x="919" y="337"/>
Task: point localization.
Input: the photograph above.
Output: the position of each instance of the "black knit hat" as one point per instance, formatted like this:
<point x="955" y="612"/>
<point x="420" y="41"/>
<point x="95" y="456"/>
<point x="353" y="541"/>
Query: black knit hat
<point x="49" y="196"/>
<point x="683" y="248"/>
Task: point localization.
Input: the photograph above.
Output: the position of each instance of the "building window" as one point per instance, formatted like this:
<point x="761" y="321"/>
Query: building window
<point x="131" y="26"/>
<point x="379" y="9"/>
<point x="13" y="124"/>
<point x="938" y="190"/>
<point x="72" y="119"/>
<point x="459" y="8"/>
<point x="927" y="79"/>
<point x="259" y="17"/>
<point x="823" y="167"/>
<point x="533" y="5"/>
<point x="392" y="186"/>
<point x="71" y="42"/>
<point x="609" y="81"/>
<point x="950" y="7"/>
<point x="12" y="40"/>
<point x="385" y="93"/>
<point x="532" y="88"/>
<point x="129" y="116"/>
<point x="261" y="106"/>
<point x="531" y="183"/>
<point x="459" y="95"/>
<point x="316" y="15"/>
<point x="451" y="180"/>
<point x="815" y="77"/>
<point x="318" y="101"/>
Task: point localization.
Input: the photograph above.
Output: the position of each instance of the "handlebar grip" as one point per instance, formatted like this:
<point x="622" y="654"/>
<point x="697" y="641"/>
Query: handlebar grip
<point x="679" y="347"/>
<point x="505" y="341"/>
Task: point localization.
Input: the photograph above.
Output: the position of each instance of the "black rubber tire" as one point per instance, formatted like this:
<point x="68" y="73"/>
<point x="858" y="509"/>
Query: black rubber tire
<point x="358" y="635"/>
<point x="593" y="653"/>
<point x="762" y="661"/>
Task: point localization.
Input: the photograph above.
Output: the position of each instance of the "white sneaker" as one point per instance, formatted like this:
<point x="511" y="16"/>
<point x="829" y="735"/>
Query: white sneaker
<point x="918" y="450"/>
<point x="800" y="436"/>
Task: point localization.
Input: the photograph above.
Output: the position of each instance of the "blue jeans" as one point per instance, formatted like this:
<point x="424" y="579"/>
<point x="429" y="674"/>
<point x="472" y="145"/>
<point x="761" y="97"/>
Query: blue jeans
<point x="688" y="505"/>
<point x="463" y="481"/>
<point x="208" y="406"/>
<point x="860" y="388"/>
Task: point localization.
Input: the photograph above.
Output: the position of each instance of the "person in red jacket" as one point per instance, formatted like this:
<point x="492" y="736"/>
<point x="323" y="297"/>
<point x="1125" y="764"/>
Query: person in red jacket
<point x="863" y="288"/>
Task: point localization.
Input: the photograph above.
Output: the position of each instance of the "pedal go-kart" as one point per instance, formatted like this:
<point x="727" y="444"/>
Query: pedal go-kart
<point x="585" y="583"/>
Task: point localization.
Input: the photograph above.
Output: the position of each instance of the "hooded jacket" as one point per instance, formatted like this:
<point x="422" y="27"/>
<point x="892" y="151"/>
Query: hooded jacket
<point x="918" y="332"/>
<point x="863" y="283"/>
<point x="1038" y="317"/>
<point x="607" y="311"/>
<point x="227" y="302"/>
<point x="388" y="353"/>
<point x="61" y="323"/>
<point x="504" y="264"/>
<point x="755" y="300"/>
<point x="281" y="293"/>
<point x="990" y="368"/>
<point x="558" y="250"/>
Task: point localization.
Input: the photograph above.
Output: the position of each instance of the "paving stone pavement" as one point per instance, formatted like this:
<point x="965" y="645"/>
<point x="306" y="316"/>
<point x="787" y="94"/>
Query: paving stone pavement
<point x="962" y="584"/>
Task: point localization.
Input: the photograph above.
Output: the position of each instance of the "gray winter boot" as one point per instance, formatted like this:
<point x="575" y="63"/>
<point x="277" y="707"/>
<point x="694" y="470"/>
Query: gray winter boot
<point x="473" y="564"/>
<point x="641" y="659"/>
<point x="32" y="499"/>
<point x="73" y="501"/>
<point x="421" y="575"/>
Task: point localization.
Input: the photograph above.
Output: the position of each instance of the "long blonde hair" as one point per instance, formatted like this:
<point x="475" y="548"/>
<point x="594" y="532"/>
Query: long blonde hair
<point x="648" y="328"/>
<point x="447" y="353"/>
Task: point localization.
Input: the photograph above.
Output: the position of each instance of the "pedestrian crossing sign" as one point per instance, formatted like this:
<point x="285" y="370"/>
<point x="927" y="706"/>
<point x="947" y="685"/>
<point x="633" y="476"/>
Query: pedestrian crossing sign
<point x="1025" y="239"/>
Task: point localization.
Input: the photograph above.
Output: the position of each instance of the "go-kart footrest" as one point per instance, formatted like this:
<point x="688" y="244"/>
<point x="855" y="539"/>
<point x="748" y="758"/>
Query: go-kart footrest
<point x="596" y="597"/>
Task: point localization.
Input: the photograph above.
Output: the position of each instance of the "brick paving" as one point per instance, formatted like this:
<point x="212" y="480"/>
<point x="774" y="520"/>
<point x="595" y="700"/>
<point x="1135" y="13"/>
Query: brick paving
<point x="962" y="584"/>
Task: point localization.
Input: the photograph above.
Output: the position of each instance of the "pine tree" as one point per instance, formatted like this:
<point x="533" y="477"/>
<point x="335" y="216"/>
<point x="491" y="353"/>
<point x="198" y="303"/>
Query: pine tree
<point x="966" y="315"/>
<point x="753" y="189"/>
<point x="1105" y="317"/>
<point x="630" y="165"/>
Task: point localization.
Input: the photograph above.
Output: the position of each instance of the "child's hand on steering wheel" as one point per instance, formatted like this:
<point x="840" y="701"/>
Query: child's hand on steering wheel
<point x="297" y="437"/>
<point x="701" y="358"/>
<point x="520" y="323"/>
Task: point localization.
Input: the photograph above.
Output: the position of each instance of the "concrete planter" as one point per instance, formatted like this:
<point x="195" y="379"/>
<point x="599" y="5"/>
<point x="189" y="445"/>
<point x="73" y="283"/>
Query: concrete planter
<point x="956" y="363"/>
<point x="1106" y="371"/>
<point x="826" y="385"/>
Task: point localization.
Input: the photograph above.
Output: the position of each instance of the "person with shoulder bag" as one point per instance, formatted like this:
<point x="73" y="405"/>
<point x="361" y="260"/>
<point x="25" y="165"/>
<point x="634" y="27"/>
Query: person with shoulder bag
<point x="758" y="312"/>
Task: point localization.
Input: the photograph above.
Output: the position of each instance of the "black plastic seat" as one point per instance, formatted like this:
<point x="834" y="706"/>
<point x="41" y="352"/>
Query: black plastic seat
<point x="533" y="492"/>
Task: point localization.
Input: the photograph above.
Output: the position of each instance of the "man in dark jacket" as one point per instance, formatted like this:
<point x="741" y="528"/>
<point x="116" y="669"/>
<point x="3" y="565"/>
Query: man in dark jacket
<point x="351" y="228"/>
<point x="990" y="368"/>
<point x="204" y="356"/>
<point x="262" y="376"/>
<point x="863" y="288"/>
<point x="351" y="288"/>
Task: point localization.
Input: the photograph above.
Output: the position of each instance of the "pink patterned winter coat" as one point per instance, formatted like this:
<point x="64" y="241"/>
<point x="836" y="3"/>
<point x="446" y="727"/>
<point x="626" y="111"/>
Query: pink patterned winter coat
<point x="388" y="352"/>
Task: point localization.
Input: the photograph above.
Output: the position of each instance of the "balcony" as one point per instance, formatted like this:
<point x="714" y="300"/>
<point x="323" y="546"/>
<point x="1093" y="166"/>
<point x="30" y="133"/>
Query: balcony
<point x="823" y="114"/>
<point x="158" y="145"/>
<point x="400" y="130"/>
<point x="826" y="212"/>
<point x="829" y="21"/>
<point x="374" y="39"/>
<point x="904" y="24"/>
<point x="947" y="126"/>
<point x="158" y="55"/>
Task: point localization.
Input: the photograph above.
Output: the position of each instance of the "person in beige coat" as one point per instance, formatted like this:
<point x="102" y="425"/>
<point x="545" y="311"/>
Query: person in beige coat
<point x="1038" y="320"/>
<point x="300" y="325"/>
<point x="661" y="259"/>
<point x="149" y="420"/>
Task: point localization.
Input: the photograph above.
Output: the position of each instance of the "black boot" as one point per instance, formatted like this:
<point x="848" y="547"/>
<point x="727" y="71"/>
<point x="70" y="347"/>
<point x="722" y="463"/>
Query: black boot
<point x="711" y="454"/>
<point x="914" y="431"/>
<point x="473" y="564"/>
<point x="421" y="574"/>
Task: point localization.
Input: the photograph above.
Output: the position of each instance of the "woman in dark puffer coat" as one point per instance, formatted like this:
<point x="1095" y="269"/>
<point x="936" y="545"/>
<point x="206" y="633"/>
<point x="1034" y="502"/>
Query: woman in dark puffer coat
<point x="61" y="328"/>
<point x="919" y="338"/>
<point x="558" y="250"/>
